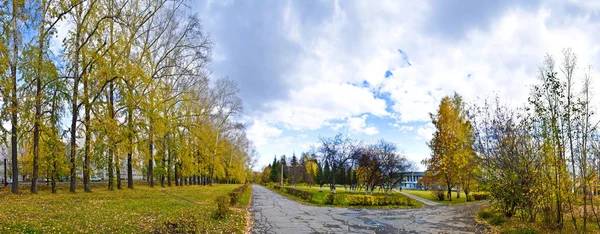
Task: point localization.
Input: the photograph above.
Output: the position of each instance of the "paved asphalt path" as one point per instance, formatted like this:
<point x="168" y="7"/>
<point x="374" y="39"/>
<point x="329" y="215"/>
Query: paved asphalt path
<point x="424" y="201"/>
<point x="274" y="213"/>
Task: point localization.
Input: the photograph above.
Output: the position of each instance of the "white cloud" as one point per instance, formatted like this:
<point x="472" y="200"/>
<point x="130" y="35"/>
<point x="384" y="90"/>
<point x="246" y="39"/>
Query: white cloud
<point x="416" y="158"/>
<point x="426" y="131"/>
<point x="359" y="125"/>
<point x="62" y="31"/>
<point x="260" y="132"/>
<point x="502" y="61"/>
<point x="404" y="128"/>
<point x="313" y="106"/>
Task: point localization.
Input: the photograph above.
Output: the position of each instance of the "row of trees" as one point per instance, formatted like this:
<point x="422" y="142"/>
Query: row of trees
<point x="342" y="161"/>
<point x="545" y="154"/>
<point x="540" y="161"/>
<point x="129" y="88"/>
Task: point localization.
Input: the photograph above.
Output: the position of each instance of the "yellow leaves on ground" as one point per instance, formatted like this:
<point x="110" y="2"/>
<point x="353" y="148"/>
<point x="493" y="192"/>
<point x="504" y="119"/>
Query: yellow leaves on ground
<point x="124" y="211"/>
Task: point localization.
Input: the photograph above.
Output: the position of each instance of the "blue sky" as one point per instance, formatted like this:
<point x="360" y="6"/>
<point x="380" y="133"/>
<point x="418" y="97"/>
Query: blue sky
<point x="376" y="69"/>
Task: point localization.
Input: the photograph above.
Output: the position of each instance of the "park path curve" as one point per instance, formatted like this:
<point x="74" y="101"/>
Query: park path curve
<point x="273" y="213"/>
<point x="422" y="200"/>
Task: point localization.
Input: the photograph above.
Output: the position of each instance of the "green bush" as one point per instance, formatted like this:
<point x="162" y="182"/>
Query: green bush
<point x="358" y="200"/>
<point x="368" y="200"/>
<point x="236" y="194"/>
<point x="299" y="193"/>
<point x="222" y="207"/>
<point x="234" y="197"/>
<point x="484" y="214"/>
<point x="333" y="199"/>
<point x="521" y="230"/>
<point x="440" y="195"/>
<point x="496" y="220"/>
<point x="480" y="196"/>
<point x="409" y="202"/>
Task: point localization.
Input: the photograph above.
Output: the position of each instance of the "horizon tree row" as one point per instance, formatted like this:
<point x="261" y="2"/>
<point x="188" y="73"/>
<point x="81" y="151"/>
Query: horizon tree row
<point x="340" y="160"/>
<point x="129" y="86"/>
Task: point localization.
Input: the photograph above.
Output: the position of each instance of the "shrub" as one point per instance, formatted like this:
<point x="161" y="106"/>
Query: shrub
<point x="368" y="200"/>
<point x="409" y="202"/>
<point x="234" y="197"/>
<point x="299" y="193"/>
<point x="222" y="207"/>
<point x="521" y="230"/>
<point x="359" y="200"/>
<point x="496" y="220"/>
<point x="484" y="214"/>
<point x="440" y="195"/>
<point x="330" y="199"/>
<point x="236" y="194"/>
<point x="480" y="196"/>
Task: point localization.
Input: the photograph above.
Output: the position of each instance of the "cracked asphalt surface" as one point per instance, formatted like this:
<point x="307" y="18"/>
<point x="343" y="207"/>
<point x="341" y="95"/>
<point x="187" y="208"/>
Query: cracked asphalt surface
<point x="274" y="213"/>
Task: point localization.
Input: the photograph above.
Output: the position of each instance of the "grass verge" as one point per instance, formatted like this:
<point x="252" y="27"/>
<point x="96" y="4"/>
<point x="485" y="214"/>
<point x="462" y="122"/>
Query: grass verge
<point x="143" y="209"/>
<point x="341" y="198"/>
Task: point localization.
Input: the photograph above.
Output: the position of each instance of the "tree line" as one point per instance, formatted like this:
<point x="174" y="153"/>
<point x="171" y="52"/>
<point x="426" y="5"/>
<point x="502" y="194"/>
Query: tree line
<point x="129" y="88"/>
<point x="340" y="160"/>
<point x="540" y="161"/>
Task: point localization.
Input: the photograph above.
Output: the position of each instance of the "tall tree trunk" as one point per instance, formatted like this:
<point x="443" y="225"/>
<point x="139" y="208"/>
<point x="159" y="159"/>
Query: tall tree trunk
<point x="54" y="174"/>
<point x="54" y="121"/>
<point x="38" y="105"/>
<point x="212" y="171"/>
<point x="111" y="170"/>
<point x="5" y="179"/>
<point x="176" y="176"/>
<point x="449" y="184"/>
<point x="88" y="133"/>
<point x="111" y="109"/>
<point x="74" y="110"/>
<point x="130" y="148"/>
<point x="151" y="159"/>
<point x="13" y="74"/>
<point x="169" y="164"/>
<point x="118" y="171"/>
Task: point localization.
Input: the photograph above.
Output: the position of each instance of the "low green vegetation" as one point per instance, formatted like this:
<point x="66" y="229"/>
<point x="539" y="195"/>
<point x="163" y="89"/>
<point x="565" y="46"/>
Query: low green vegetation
<point x="141" y="210"/>
<point x="499" y="223"/>
<point x="431" y="195"/>
<point x="345" y="199"/>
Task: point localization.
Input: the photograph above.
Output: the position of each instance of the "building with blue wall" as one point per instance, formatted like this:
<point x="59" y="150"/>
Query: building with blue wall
<point x="409" y="181"/>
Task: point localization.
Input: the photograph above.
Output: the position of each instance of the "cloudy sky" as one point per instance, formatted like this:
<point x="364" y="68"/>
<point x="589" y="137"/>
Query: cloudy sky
<point x="376" y="69"/>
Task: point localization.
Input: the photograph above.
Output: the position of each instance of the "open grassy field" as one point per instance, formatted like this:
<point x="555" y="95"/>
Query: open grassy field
<point x="142" y="209"/>
<point x="319" y="197"/>
<point x="429" y="196"/>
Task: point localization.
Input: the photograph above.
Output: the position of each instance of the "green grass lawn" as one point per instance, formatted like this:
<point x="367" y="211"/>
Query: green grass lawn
<point x="429" y="196"/>
<point x="319" y="197"/>
<point x="142" y="209"/>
